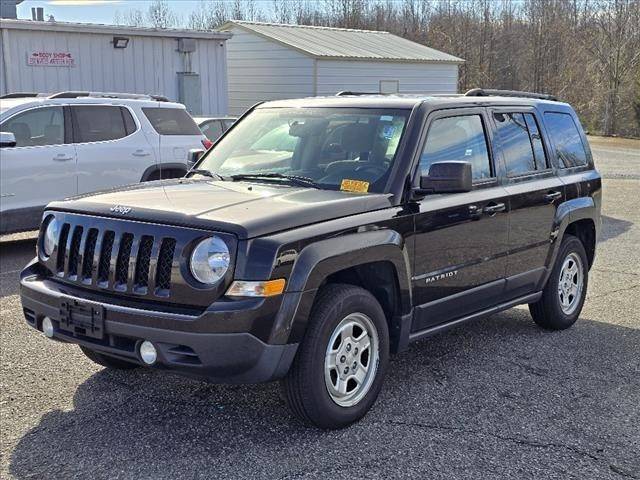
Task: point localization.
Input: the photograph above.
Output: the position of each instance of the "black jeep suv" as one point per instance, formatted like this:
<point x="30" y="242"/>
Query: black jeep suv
<point x="320" y="235"/>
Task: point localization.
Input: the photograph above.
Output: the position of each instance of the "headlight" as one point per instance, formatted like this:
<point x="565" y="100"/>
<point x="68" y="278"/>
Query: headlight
<point x="210" y="260"/>
<point x="50" y="239"/>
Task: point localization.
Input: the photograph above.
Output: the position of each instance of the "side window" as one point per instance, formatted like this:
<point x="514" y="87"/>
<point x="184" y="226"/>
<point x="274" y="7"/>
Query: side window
<point x="566" y="139"/>
<point x="277" y="140"/>
<point x="536" y="141"/>
<point x="227" y="124"/>
<point x="97" y="123"/>
<point x="171" y="121"/>
<point x="516" y="145"/>
<point x="212" y="129"/>
<point x="37" y="127"/>
<point x="457" y="138"/>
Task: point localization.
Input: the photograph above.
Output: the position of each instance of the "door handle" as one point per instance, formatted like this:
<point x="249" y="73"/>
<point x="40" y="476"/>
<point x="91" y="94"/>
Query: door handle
<point x="552" y="196"/>
<point x="140" y="153"/>
<point x="61" y="157"/>
<point x="493" y="209"/>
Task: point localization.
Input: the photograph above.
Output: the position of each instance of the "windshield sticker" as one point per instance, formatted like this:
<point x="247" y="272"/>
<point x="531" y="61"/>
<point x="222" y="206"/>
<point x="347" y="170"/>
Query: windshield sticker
<point x="386" y="118"/>
<point x="468" y="152"/>
<point x="388" y="131"/>
<point x="354" y="186"/>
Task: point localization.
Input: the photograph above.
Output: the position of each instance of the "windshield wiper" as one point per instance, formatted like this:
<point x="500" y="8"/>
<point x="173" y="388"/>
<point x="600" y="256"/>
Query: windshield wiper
<point x="206" y="173"/>
<point x="295" y="179"/>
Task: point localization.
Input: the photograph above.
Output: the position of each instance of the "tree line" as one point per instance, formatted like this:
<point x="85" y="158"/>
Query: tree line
<point x="587" y="52"/>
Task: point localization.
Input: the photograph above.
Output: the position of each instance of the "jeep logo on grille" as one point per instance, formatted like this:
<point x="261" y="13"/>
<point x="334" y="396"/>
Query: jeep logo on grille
<point x="120" y="209"/>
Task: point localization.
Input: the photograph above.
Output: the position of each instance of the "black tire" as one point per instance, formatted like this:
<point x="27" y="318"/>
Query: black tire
<point x="106" y="361"/>
<point x="547" y="312"/>
<point x="304" y="389"/>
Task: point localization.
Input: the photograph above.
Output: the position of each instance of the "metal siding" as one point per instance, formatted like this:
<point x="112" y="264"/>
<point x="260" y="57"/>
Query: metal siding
<point x="259" y="69"/>
<point x="360" y="76"/>
<point x="147" y="65"/>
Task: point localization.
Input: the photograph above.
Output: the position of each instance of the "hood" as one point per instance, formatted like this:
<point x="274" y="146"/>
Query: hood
<point x="247" y="209"/>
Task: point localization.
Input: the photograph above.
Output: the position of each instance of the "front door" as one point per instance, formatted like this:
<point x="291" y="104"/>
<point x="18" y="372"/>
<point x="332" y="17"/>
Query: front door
<point x="39" y="169"/>
<point x="534" y="192"/>
<point x="461" y="239"/>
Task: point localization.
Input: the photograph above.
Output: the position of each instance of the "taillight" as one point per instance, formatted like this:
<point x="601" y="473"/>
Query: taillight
<point x="206" y="143"/>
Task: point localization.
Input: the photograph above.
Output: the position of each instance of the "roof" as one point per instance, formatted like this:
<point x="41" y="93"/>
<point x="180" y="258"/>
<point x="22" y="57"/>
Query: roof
<point x="7" y="104"/>
<point x="345" y="44"/>
<point x="111" y="29"/>
<point x="407" y="101"/>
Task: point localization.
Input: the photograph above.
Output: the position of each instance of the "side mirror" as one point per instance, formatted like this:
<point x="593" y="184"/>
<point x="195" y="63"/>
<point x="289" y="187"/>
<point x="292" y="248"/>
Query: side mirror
<point x="447" y="177"/>
<point x="193" y="156"/>
<point x="7" y="139"/>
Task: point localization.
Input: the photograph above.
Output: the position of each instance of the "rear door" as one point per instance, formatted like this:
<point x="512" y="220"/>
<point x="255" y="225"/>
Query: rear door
<point x="534" y="194"/>
<point x="461" y="239"/>
<point x="39" y="169"/>
<point x="177" y="133"/>
<point x="112" y="151"/>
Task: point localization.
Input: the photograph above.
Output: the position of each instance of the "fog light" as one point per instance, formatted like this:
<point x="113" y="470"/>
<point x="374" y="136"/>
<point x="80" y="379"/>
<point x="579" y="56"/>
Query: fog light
<point x="47" y="327"/>
<point x="148" y="352"/>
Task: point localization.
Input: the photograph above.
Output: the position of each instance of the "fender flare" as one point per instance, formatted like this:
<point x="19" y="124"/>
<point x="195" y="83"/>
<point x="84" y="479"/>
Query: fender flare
<point x="567" y="213"/>
<point x="161" y="166"/>
<point x="325" y="257"/>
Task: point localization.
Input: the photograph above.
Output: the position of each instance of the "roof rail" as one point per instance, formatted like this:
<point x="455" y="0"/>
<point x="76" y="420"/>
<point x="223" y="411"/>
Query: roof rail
<point x="486" y="92"/>
<point x="347" y="92"/>
<point x="20" y="95"/>
<point x="129" y="96"/>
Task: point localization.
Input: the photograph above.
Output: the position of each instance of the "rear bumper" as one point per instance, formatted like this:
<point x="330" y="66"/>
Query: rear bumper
<point x="225" y="357"/>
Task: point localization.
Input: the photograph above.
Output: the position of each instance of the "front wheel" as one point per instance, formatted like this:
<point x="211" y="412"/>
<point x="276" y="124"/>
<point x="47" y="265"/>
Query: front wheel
<point x="341" y="363"/>
<point x="565" y="292"/>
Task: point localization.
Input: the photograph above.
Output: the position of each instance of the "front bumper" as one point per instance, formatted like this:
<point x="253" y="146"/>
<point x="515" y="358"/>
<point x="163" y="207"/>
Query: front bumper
<point x="202" y="345"/>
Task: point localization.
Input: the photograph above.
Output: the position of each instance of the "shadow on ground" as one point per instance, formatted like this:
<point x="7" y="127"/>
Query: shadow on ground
<point x="499" y="395"/>
<point x="613" y="227"/>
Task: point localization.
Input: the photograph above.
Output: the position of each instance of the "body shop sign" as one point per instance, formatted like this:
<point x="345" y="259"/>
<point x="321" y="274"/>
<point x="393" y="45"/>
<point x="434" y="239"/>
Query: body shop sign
<point x="39" y="58"/>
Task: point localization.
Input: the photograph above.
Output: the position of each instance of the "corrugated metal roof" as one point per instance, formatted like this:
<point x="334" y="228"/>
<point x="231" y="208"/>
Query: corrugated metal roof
<point x="345" y="44"/>
<point x="110" y="29"/>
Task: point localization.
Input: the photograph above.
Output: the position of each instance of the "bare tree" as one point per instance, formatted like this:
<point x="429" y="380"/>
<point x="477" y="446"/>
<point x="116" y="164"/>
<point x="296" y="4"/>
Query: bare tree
<point x="160" y="15"/>
<point x="615" y="46"/>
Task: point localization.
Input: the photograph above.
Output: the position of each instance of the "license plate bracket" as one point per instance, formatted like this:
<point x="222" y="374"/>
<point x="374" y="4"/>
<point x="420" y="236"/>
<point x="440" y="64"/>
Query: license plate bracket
<point x="82" y="318"/>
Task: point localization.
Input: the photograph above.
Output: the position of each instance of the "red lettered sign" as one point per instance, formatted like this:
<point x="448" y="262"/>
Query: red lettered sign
<point x="38" y="58"/>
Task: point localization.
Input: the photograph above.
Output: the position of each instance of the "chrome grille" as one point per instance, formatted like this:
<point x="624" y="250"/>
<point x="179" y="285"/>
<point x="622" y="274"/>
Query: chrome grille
<point x="144" y="261"/>
<point x="163" y="272"/>
<point x="120" y="261"/>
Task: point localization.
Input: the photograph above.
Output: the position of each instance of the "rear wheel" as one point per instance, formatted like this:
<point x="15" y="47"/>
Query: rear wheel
<point x="106" y="361"/>
<point x="341" y="363"/>
<point x="564" y="295"/>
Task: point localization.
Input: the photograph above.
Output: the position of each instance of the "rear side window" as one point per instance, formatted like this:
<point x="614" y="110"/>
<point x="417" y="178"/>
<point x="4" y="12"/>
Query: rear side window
<point x="566" y="139"/>
<point x="459" y="138"/>
<point x="171" y="121"/>
<point x="98" y="123"/>
<point x="129" y="122"/>
<point x="516" y="146"/>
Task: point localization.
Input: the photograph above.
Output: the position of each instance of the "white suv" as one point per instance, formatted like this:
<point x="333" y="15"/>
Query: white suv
<point x="72" y="143"/>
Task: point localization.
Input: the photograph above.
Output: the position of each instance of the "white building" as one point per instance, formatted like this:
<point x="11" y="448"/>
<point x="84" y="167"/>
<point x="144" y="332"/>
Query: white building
<point x="183" y="65"/>
<point x="269" y="61"/>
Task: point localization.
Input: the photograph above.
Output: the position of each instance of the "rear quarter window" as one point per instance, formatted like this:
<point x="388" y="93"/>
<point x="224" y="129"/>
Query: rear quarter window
<point x="171" y="121"/>
<point x="565" y="136"/>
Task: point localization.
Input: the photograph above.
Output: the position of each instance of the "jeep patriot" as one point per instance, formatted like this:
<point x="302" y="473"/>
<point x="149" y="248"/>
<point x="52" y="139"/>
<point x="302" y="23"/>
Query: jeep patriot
<point x="320" y="235"/>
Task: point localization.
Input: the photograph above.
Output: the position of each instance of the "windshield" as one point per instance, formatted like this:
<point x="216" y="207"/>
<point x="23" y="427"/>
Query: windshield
<point x="337" y="148"/>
